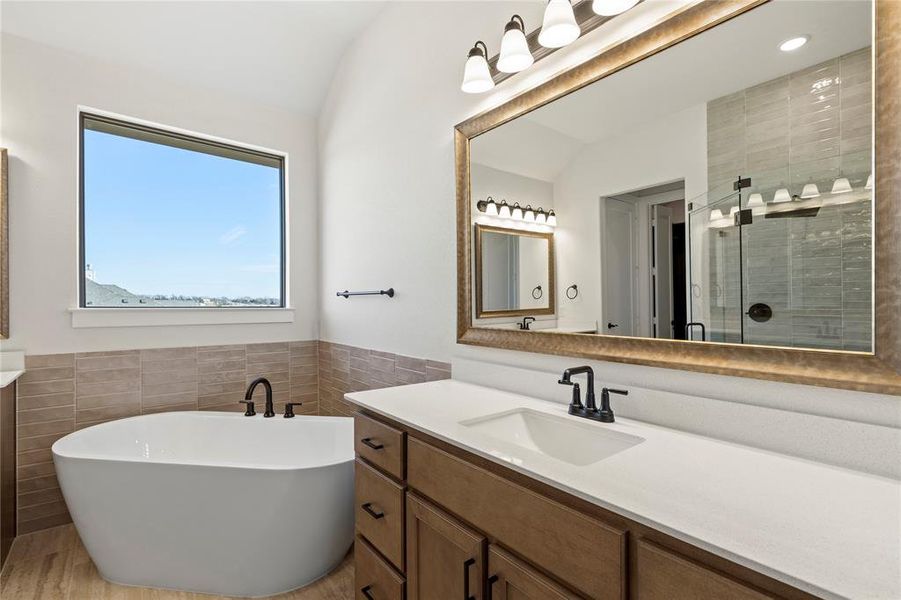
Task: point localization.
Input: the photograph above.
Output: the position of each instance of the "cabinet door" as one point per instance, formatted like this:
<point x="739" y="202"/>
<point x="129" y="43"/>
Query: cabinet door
<point x="445" y="559"/>
<point x="512" y="579"/>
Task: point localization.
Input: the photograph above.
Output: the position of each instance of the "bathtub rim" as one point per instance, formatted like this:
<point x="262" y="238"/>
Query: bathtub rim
<point x="56" y="451"/>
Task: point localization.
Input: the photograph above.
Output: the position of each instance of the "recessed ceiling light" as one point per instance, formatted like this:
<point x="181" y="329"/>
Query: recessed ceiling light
<point x="794" y="43"/>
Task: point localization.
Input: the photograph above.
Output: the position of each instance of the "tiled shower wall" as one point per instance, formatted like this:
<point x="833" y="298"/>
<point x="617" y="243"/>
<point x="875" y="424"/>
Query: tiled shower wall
<point x="816" y="271"/>
<point x="60" y="393"/>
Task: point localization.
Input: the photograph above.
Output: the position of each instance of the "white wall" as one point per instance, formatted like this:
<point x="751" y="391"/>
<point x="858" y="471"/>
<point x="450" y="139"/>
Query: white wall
<point x="388" y="218"/>
<point x="39" y="92"/>
<point x="657" y="152"/>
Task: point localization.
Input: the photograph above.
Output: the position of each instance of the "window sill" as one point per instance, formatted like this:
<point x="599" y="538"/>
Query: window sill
<point x="158" y="317"/>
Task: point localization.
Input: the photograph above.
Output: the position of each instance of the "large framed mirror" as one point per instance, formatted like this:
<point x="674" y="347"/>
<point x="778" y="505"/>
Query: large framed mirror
<point x="722" y="193"/>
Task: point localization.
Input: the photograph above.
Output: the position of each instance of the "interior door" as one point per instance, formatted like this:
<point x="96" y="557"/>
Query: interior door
<point x="662" y="271"/>
<point x="512" y="579"/>
<point x="445" y="559"/>
<point x="620" y="268"/>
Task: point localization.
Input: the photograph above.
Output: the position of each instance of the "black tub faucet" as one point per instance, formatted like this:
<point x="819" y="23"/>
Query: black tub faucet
<point x="575" y="407"/>
<point x="270" y="410"/>
<point x="525" y="323"/>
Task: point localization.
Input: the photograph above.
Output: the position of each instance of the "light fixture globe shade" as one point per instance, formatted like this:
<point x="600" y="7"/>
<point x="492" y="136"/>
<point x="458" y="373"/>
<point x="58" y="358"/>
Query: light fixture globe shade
<point x="841" y="186"/>
<point x="504" y="210"/>
<point x="755" y="201"/>
<point x="559" y="27"/>
<point x="551" y="218"/>
<point x="609" y="8"/>
<point x="491" y="209"/>
<point x="782" y="195"/>
<point x="810" y="191"/>
<point x="476" y="75"/>
<point x="515" y="54"/>
<point x="716" y="215"/>
<point x="869" y="185"/>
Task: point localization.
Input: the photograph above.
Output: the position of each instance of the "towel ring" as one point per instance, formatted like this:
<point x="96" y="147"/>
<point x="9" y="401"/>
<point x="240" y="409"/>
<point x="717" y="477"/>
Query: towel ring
<point x="575" y="293"/>
<point x="540" y="292"/>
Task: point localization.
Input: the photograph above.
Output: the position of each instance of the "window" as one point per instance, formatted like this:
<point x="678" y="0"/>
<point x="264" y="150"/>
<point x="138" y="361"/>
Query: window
<point x="170" y="220"/>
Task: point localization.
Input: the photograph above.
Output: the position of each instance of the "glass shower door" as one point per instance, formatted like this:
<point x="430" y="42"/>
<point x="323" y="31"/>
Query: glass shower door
<point x="715" y="277"/>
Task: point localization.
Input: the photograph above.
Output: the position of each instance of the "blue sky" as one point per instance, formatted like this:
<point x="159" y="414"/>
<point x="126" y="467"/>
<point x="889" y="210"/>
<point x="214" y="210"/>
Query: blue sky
<point x="162" y="220"/>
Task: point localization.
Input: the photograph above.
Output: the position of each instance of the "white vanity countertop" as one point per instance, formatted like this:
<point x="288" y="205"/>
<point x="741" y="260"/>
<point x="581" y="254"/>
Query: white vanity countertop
<point x="7" y="377"/>
<point x="829" y="531"/>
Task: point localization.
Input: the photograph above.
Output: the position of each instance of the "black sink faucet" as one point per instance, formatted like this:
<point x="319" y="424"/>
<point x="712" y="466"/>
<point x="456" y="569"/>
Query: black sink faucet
<point x="575" y="407"/>
<point x="605" y="415"/>
<point x="590" y="409"/>
<point x="270" y="410"/>
<point x="526" y="322"/>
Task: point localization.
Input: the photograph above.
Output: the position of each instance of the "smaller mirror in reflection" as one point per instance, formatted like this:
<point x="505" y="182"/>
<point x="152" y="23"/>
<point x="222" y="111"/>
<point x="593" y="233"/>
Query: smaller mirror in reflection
<point x="514" y="272"/>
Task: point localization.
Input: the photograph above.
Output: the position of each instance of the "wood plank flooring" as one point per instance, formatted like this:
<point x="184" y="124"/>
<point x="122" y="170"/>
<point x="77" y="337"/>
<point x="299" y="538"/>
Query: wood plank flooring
<point x="53" y="565"/>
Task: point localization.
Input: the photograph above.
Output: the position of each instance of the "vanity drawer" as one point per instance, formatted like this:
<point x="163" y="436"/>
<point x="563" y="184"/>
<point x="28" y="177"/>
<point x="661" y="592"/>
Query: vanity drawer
<point x="373" y="576"/>
<point x="381" y="445"/>
<point x="380" y="512"/>
<point x="663" y="575"/>
<point x="585" y="553"/>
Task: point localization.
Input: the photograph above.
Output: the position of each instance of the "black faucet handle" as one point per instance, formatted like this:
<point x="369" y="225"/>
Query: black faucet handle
<point x="575" y="406"/>
<point x="250" y="411"/>
<point x="289" y="409"/>
<point x="605" y="415"/>
<point x="613" y="391"/>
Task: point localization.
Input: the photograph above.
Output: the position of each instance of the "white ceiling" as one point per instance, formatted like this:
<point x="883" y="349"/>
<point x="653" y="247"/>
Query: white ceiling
<point x="279" y="53"/>
<point x="738" y="54"/>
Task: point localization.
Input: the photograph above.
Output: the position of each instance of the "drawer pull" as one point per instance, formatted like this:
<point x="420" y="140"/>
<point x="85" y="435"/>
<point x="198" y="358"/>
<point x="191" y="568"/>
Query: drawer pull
<point x="371" y="444"/>
<point x="365" y="591"/>
<point x="469" y="562"/>
<point x="372" y="513"/>
<point x="491" y="581"/>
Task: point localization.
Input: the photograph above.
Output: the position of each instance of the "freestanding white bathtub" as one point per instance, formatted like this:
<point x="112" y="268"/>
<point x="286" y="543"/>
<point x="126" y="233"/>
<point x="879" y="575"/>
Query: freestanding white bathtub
<point x="211" y="502"/>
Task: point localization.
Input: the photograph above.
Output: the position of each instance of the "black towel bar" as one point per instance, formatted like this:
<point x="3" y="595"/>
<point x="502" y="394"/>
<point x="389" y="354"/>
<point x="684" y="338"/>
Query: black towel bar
<point x="389" y="292"/>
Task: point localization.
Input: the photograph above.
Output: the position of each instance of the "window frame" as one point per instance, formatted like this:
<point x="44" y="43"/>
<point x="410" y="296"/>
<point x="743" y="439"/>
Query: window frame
<point x="192" y="138"/>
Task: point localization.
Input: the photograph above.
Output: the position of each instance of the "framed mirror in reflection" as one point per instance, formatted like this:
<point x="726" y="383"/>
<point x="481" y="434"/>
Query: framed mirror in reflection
<point x="720" y="190"/>
<point x="514" y="272"/>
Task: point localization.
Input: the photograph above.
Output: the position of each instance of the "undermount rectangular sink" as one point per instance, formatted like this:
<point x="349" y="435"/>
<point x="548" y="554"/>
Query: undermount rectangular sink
<point x="558" y="437"/>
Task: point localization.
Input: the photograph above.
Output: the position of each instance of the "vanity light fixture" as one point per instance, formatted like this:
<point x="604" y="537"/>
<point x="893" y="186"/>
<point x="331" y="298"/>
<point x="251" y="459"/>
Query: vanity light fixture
<point x="515" y="54"/>
<point x="491" y="207"/>
<point x="869" y="185"/>
<point x="529" y="214"/>
<point x="609" y="8"/>
<point x="516" y="213"/>
<point x="476" y="73"/>
<point x="503" y="210"/>
<point x="559" y="27"/>
<point x="841" y="186"/>
<point x="551" y="218"/>
<point x="782" y="195"/>
<point x="810" y="190"/>
<point x="541" y="216"/>
<point x="792" y="43"/>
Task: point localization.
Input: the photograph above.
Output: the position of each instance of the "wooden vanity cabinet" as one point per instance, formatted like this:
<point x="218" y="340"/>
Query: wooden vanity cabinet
<point x="444" y="524"/>
<point x="445" y="559"/>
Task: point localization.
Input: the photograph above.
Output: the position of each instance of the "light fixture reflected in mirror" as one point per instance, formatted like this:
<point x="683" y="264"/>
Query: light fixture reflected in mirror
<point x="559" y="27"/>
<point x="781" y="195"/>
<point x="869" y="185"/>
<point x="794" y="43"/>
<point x="810" y="190"/>
<point x="476" y="73"/>
<point x="841" y="186"/>
<point x="516" y="213"/>
<point x="551" y="218"/>
<point x="515" y="54"/>
<point x="609" y="8"/>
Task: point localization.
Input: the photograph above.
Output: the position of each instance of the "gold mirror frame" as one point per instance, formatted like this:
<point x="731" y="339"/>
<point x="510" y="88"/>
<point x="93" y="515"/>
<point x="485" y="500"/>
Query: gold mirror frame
<point x="552" y="282"/>
<point x="879" y="371"/>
